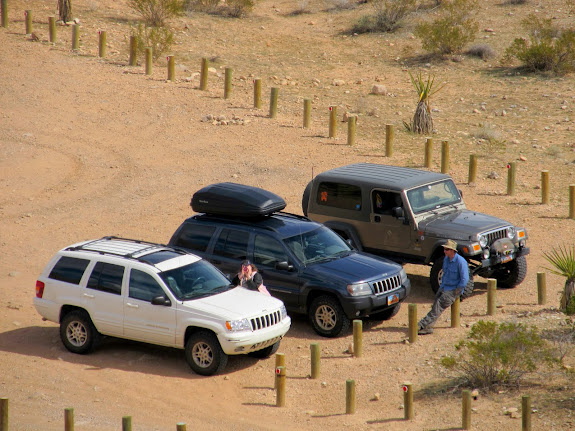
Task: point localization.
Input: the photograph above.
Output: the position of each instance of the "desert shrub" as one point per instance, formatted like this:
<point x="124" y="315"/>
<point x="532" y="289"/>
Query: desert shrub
<point x="547" y="49"/>
<point x="516" y="1"/>
<point x="334" y="5"/>
<point x="387" y="17"/>
<point x="233" y="8"/>
<point x="156" y="12"/>
<point x="489" y="133"/>
<point x="452" y="30"/>
<point x="160" y="39"/>
<point x="201" y="5"/>
<point x="498" y="355"/>
<point x="238" y="8"/>
<point x="483" y="51"/>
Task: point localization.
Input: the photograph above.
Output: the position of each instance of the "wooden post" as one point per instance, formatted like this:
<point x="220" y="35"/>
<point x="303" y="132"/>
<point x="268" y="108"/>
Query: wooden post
<point x="75" y="37"/>
<point x="4" y="13"/>
<point x="257" y="93"/>
<point x="357" y="338"/>
<point x="455" y="314"/>
<point x="228" y="83"/>
<point x="52" y="29"/>
<point x="28" y="16"/>
<point x="171" y="68"/>
<point x="351" y="122"/>
<point x="204" y="74"/>
<point x="466" y="409"/>
<point x="444" y="157"/>
<point x="133" y="51"/>
<point x="428" y="152"/>
<point x="306" y="113"/>
<point x="274" y="102"/>
<point x="281" y="390"/>
<point x="491" y="296"/>
<point x="388" y="140"/>
<point x="3" y="414"/>
<point x="545" y="187"/>
<point x="69" y="419"/>
<point x="572" y="201"/>
<point x="412" y="325"/>
<point x="511" y="179"/>
<point x="127" y="423"/>
<point x="349" y="397"/>
<point x="472" y="169"/>
<point x="102" y="43"/>
<point x="525" y="413"/>
<point x="408" y="401"/>
<point x="332" y="121"/>
<point x="280" y="362"/>
<point x="541" y="288"/>
<point x="181" y="426"/>
<point x="315" y="360"/>
<point x="149" y="57"/>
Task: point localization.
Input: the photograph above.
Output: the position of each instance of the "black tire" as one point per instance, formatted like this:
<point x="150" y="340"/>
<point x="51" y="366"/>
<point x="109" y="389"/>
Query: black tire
<point x="305" y="198"/>
<point x="265" y="353"/>
<point x="78" y="333"/>
<point x="511" y="274"/>
<point x="386" y="314"/>
<point x="436" y="273"/>
<point x="327" y="317"/>
<point x="204" y="354"/>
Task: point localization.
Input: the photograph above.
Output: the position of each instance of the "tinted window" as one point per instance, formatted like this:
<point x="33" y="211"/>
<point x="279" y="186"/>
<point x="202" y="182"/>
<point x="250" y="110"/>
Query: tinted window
<point x="233" y="244"/>
<point x="338" y="195"/>
<point x="195" y="237"/>
<point x="107" y="278"/>
<point x="143" y="286"/>
<point x="69" y="269"/>
<point x="268" y="251"/>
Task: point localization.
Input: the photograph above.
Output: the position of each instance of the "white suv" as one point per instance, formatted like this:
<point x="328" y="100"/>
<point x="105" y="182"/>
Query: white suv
<point x="156" y="294"/>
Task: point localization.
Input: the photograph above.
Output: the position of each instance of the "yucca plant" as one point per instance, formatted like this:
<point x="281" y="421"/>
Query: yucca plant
<point x="422" y="120"/>
<point x="563" y="261"/>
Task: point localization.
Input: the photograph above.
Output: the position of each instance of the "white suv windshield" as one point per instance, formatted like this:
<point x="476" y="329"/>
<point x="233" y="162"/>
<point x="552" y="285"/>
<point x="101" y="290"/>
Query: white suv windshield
<point x="317" y="245"/>
<point x="433" y="196"/>
<point x="194" y="281"/>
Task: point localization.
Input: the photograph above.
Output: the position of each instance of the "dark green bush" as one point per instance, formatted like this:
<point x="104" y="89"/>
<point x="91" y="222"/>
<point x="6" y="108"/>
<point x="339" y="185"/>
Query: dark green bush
<point x="156" y="12"/>
<point x="387" y="18"/>
<point x="233" y="8"/>
<point x="452" y="30"/>
<point x="160" y="39"/>
<point x="498" y="355"/>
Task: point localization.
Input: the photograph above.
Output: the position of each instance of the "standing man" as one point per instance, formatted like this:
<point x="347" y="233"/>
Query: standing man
<point x="455" y="278"/>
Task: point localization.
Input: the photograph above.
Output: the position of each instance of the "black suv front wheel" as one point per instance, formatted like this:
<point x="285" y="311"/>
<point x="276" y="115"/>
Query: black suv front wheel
<point x="436" y="274"/>
<point x="327" y="316"/>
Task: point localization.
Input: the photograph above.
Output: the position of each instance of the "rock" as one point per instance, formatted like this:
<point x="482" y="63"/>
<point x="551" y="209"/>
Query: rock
<point x="476" y="111"/>
<point x="493" y="175"/>
<point x="523" y="158"/>
<point x="347" y="116"/>
<point x="338" y="82"/>
<point x="375" y="397"/>
<point x="379" y="90"/>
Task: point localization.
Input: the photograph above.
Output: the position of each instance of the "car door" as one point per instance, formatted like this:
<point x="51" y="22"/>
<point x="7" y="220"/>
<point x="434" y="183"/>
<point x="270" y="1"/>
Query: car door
<point x="387" y="231"/>
<point x="144" y="321"/>
<point x="281" y="283"/>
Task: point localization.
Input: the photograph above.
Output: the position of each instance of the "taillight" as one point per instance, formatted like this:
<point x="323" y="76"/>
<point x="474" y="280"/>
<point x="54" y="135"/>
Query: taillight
<point x="39" y="289"/>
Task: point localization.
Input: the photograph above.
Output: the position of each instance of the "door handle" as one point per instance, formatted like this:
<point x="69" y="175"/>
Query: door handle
<point x="89" y="296"/>
<point x="377" y="219"/>
<point x="132" y="305"/>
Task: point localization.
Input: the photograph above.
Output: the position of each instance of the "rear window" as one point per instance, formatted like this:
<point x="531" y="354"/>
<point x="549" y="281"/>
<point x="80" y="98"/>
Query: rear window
<point x="233" y="244"/>
<point x="69" y="269"/>
<point x="337" y="195"/>
<point x="195" y="237"/>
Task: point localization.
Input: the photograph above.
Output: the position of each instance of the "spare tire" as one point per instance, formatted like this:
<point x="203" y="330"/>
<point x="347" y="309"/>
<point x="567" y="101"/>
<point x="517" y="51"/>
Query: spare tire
<point x="305" y="198"/>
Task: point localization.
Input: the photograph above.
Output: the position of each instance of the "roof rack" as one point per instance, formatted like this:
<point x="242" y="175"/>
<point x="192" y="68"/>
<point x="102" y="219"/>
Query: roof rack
<point x="248" y="221"/>
<point x="129" y="254"/>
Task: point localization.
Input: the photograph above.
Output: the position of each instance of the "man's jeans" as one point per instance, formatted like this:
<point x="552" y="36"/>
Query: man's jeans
<point x="443" y="300"/>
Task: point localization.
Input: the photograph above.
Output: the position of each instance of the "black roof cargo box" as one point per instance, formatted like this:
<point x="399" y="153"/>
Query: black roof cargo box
<point x="236" y="200"/>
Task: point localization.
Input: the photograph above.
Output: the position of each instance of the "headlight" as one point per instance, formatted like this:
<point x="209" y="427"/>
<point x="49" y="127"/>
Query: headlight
<point x="486" y="253"/>
<point x="238" y="325"/>
<point x="510" y="232"/>
<point x="359" y="289"/>
<point x="482" y="240"/>
<point x="283" y="311"/>
<point x="403" y="275"/>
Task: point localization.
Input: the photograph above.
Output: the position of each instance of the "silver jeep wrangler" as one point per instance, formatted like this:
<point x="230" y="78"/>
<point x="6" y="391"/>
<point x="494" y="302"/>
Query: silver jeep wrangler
<point x="408" y="214"/>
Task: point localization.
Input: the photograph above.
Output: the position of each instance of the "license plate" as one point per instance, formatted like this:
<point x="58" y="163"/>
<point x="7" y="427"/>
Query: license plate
<point x="392" y="299"/>
<point x="507" y="258"/>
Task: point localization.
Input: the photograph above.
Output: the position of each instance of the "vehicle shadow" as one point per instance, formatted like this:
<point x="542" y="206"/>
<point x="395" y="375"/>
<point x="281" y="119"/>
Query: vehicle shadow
<point x="111" y="353"/>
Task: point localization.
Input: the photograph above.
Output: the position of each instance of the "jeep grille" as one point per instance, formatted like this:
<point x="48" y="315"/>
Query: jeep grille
<point x="495" y="235"/>
<point x="386" y="285"/>
<point x="266" y="320"/>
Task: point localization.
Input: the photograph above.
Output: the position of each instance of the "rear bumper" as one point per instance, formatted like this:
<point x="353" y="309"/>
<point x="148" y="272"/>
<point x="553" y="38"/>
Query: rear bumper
<point x="249" y="341"/>
<point x="366" y="305"/>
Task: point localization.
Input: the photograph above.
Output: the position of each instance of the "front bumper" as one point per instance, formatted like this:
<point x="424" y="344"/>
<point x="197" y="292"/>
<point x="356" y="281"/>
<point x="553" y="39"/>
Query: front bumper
<point x="502" y="259"/>
<point x="238" y="343"/>
<point x="365" y="305"/>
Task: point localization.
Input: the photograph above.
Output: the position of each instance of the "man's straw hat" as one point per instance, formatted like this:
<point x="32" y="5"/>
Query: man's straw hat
<point x="450" y="244"/>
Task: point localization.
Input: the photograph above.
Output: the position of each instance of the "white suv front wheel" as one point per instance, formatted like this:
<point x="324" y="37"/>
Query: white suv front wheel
<point x="204" y="353"/>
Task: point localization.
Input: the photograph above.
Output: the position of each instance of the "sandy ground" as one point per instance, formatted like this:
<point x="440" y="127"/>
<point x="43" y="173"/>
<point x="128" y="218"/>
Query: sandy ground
<point x="91" y="147"/>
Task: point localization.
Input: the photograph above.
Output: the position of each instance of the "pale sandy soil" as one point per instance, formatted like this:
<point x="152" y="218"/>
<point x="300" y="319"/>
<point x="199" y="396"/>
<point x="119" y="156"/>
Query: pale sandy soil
<point x="91" y="147"/>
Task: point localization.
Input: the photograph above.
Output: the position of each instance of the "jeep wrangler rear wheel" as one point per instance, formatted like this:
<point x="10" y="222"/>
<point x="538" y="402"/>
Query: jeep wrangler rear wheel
<point x="204" y="354"/>
<point x="436" y="274"/>
<point x="327" y="316"/>
<point x="511" y="274"/>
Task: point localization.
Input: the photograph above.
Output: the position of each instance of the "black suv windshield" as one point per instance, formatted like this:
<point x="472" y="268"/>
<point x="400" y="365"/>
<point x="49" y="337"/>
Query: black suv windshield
<point x="195" y="280"/>
<point x="317" y="245"/>
<point x="433" y="196"/>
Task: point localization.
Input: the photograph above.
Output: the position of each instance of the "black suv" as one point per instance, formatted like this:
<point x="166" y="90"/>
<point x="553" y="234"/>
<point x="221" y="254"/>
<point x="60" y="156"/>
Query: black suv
<point x="303" y="263"/>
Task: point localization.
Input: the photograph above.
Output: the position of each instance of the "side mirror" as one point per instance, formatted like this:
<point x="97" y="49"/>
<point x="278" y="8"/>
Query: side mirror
<point x="460" y="193"/>
<point x="284" y="266"/>
<point x="161" y="300"/>
<point x="397" y="212"/>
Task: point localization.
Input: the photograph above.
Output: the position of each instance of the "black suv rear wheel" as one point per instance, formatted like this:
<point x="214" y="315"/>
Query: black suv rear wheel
<point x="327" y="316"/>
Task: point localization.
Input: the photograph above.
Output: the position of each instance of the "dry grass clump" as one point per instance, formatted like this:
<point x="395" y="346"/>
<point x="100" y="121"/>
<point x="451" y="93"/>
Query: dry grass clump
<point x="483" y="51"/>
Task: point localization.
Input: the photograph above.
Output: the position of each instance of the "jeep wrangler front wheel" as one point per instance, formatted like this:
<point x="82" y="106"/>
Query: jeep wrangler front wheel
<point x="436" y="274"/>
<point x="511" y="274"/>
<point x="327" y="316"/>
